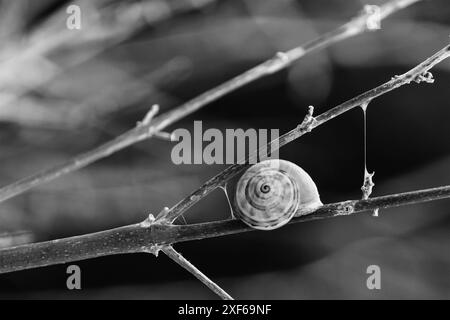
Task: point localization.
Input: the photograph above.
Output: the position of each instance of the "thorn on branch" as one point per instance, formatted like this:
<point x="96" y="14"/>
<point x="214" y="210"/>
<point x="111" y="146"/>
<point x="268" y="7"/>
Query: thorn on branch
<point x="308" y="122"/>
<point x="278" y="62"/>
<point x="153" y="249"/>
<point x="149" y="221"/>
<point x="149" y="116"/>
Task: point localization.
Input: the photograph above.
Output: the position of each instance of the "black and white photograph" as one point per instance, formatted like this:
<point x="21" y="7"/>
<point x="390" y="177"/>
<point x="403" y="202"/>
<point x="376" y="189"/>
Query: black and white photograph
<point x="196" y="151"/>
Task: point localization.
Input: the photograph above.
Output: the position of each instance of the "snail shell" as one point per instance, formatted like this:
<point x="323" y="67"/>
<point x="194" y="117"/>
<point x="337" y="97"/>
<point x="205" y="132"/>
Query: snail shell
<point x="270" y="193"/>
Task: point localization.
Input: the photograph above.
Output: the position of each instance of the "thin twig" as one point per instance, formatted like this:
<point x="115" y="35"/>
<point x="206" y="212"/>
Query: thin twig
<point x="416" y="74"/>
<point x="152" y="237"/>
<point x="178" y="258"/>
<point x="281" y="61"/>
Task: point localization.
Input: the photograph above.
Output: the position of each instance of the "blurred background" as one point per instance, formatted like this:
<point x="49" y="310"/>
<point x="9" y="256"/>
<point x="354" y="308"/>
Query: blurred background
<point x="64" y="91"/>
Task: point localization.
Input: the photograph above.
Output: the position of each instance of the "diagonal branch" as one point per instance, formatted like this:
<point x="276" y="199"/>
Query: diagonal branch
<point x="280" y="61"/>
<point x="418" y="74"/>
<point x="151" y="237"/>
<point x="178" y="258"/>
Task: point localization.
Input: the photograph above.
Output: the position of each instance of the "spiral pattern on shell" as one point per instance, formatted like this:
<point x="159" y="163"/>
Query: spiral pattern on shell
<point x="270" y="193"/>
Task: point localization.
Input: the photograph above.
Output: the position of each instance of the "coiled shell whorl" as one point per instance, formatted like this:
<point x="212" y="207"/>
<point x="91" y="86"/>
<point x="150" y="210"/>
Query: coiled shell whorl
<point x="270" y="193"/>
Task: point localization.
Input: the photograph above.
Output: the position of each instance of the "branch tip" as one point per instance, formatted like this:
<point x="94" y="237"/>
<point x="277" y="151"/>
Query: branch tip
<point x="149" y="116"/>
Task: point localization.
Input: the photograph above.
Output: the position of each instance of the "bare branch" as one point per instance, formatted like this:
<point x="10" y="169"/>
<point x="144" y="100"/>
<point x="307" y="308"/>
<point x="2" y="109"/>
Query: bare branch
<point x="416" y="74"/>
<point x="178" y="258"/>
<point x="151" y="237"/>
<point x="139" y="133"/>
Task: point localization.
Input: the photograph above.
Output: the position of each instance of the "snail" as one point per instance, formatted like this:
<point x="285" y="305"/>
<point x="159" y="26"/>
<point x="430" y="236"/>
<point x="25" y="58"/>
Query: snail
<point x="270" y="193"/>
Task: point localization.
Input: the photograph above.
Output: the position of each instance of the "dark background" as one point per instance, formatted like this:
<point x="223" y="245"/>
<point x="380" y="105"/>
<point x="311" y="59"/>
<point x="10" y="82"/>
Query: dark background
<point x="64" y="92"/>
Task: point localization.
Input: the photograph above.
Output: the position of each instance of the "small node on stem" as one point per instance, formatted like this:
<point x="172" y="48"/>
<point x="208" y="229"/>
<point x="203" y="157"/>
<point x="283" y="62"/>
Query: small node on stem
<point x="308" y="122"/>
<point x="373" y="19"/>
<point x="375" y="212"/>
<point x="427" y="77"/>
<point x="345" y="208"/>
<point x="153" y="249"/>
<point x="148" y="222"/>
<point x="168" y="136"/>
<point x="278" y="62"/>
